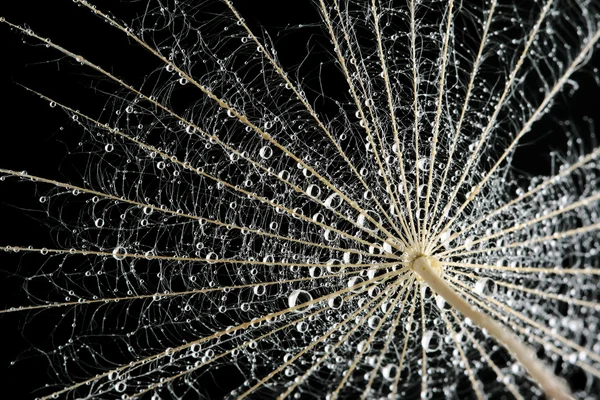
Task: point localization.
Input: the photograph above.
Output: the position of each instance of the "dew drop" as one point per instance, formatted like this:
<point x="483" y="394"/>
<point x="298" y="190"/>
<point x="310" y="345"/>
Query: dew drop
<point x="389" y="372"/>
<point x="119" y="253"/>
<point x="431" y="341"/>
<point x="335" y="302"/>
<point x="298" y="297"/>
<point x="259" y="290"/>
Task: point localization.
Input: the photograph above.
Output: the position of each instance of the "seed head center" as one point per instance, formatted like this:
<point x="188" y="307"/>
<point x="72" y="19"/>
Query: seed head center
<point x="413" y="256"/>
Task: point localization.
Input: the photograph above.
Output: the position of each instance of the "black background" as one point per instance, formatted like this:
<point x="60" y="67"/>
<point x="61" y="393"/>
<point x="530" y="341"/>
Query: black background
<point x="31" y="137"/>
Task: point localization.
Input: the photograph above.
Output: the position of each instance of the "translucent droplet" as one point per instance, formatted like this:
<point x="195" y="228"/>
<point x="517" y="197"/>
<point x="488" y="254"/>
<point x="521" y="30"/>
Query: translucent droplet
<point x="335" y="302"/>
<point x="355" y="281"/>
<point x="259" y="290"/>
<point x="362" y="346"/>
<point x="440" y="302"/>
<point x="302" y="327"/>
<point x="445" y="236"/>
<point x="468" y="244"/>
<point x="333" y="201"/>
<point x="373" y="321"/>
<point x="298" y="297"/>
<point x="120" y="387"/>
<point x="265" y="152"/>
<point x="485" y="286"/>
<point x="119" y="253"/>
<point x="313" y="190"/>
<point x="212" y="256"/>
<point x="315" y="272"/>
<point x="389" y="372"/>
<point x="431" y="341"/>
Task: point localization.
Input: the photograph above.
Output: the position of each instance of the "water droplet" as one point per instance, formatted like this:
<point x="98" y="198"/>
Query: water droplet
<point x="431" y="341"/>
<point x="389" y="372"/>
<point x="313" y="190"/>
<point x="265" y="152"/>
<point x="298" y="297"/>
<point x="259" y="290"/>
<point x="302" y="327"/>
<point x="120" y="387"/>
<point x="335" y="302"/>
<point x="485" y="286"/>
<point x="119" y="253"/>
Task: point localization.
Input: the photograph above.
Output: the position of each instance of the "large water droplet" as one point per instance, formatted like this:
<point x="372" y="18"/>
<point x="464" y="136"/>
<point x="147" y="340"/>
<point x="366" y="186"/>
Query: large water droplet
<point x="298" y="297"/>
<point x="336" y="302"/>
<point x="119" y="253"/>
<point x="389" y="372"/>
<point x="431" y="341"/>
<point x="485" y="286"/>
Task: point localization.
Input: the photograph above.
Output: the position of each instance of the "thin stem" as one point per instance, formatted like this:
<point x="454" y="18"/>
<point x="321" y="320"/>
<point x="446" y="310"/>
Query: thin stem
<point x="540" y="293"/>
<point x="553" y="386"/>
<point x="415" y="82"/>
<point x="390" y="337"/>
<point x="277" y="67"/>
<point x="390" y="101"/>
<point x="537" y="114"/>
<point x="484" y="355"/>
<point x="240" y="117"/>
<point x="367" y="344"/>
<point x="406" y="339"/>
<point x="163" y="295"/>
<point x="438" y="115"/>
<point x="554" y="236"/>
<point x="229" y="331"/>
<point x="386" y="294"/>
<point x="182" y="214"/>
<point x="463" y="112"/>
<point x="517" y="227"/>
<point x="187" y="166"/>
<point x="519" y="269"/>
<point x="475" y="382"/>
<point x="490" y="125"/>
<point x="552" y="180"/>
<point x="355" y="97"/>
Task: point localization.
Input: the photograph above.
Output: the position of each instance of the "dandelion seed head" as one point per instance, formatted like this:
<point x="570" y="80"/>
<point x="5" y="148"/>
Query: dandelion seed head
<point x="247" y="223"/>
